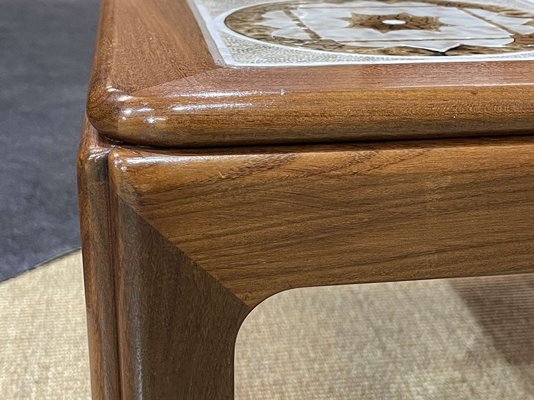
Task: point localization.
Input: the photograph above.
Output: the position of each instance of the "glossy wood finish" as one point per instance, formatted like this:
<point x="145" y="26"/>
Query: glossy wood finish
<point x="180" y="245"/>
<point x="156" y="83"/>
<point x="264" y="220"/>
<point x="93" y="184"/>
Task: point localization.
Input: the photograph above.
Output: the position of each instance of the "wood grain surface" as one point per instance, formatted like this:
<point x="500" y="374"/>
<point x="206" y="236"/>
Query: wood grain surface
<point x="263" y="220"/>
<point x="180" y="245"/>
<point x="93" y="184"/>
<point x="156" y="83"/>
<point x="177" y="324"/>
<point x="158" y="326"/>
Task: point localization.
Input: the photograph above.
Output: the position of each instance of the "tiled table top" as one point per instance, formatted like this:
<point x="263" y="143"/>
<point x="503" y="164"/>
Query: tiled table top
<point x="307" y="32"/>
<point x="232" y="72"/>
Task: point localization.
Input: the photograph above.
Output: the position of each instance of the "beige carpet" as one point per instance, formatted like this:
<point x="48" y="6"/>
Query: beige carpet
<point x="456" y="339"/>
<point x="43" y="351"/>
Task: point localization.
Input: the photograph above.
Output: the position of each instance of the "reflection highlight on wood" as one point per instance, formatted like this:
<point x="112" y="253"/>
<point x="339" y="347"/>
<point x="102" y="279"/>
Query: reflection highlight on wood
<point x="171" y="92"/>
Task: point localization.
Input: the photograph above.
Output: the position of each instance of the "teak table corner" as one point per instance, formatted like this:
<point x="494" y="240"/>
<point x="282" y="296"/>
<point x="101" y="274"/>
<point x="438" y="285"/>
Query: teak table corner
<point x="350" y="173"/>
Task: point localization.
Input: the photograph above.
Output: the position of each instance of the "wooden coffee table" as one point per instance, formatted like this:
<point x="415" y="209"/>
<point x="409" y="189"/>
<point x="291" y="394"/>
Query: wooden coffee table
<point x="233" y="153"/>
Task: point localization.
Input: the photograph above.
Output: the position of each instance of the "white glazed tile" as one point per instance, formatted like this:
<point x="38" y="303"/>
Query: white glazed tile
<point x="305" y="32"/>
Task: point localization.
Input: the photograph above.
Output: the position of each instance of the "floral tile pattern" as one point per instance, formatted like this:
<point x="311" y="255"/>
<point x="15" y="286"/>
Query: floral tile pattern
<point x="302" y="32"/>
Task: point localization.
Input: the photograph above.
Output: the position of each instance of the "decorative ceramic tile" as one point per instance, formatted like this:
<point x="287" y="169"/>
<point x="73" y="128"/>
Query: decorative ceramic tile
<point x="304" y="32"/>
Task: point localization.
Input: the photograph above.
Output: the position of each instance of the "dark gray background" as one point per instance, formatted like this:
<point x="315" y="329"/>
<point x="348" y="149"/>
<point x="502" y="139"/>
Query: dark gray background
<point x="46" y="48"/>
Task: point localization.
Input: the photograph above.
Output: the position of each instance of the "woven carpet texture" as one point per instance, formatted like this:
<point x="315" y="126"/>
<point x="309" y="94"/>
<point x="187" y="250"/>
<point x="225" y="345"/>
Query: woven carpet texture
<point x="445" y="339"/>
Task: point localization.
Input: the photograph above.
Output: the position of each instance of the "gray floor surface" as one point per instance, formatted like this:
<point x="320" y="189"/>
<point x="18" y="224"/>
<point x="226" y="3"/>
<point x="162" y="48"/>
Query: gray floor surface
<point x="46" y="48"/>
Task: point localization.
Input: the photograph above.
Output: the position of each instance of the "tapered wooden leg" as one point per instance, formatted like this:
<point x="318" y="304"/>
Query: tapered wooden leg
<point x="94" y="198"/>
<point x="177" y="324"/>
